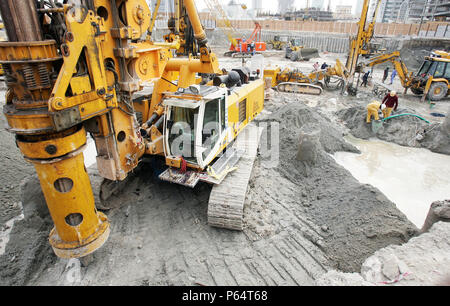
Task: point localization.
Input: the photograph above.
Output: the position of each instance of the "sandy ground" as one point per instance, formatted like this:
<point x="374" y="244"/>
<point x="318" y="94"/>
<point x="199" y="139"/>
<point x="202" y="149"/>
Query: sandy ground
<point x="418" y="262"/>
<point x="301" y="220"/>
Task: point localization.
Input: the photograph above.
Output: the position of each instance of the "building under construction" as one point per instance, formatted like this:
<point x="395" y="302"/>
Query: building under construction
<point x="413" y="10"/>
<point x="309" y="14"/>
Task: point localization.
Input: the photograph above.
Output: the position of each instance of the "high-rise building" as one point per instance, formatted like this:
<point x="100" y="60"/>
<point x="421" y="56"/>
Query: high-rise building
<point x="307" y="14"/>
<point x="317" y="4"/>
<point x="440" y="10"/>
<point x="285" y="6"/>
<point x="429" y="10"/>
<point x="413" y="10"/>
<point x="391" y="10"/>
<point x="257" y="6"/>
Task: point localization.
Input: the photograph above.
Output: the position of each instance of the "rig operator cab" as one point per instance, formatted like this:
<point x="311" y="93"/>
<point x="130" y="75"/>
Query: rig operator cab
<point x="202" y="120"/>
<point x="433" y="77"/>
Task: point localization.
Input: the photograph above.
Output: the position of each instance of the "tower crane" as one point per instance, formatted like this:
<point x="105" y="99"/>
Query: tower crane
<point x="222" y="20"/>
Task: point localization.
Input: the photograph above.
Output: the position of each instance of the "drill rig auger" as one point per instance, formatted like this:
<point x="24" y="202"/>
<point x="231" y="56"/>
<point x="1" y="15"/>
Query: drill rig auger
<point x="73" y="70"/>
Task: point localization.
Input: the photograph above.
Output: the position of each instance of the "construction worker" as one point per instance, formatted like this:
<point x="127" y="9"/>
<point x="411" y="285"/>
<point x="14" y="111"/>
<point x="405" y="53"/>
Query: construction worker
<point x="324" y="66"/>
<point x="316" y="66"/>
<point x="394" y="73"/>
<point x="391" y="102"/>
<point x="365" y="79"/>
<point x="386" y="73"/>
<point x="372" y="110"/>
<point x="241" y="44"/>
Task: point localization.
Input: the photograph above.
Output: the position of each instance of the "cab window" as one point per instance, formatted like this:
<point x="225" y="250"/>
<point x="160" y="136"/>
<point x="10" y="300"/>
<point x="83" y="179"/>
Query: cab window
<point x="425" y="66"/>
<point x="181" y="128"/>
<point x="211" y="126"/>
<point x="447" y="72"/>
<point x="440" y="69"/>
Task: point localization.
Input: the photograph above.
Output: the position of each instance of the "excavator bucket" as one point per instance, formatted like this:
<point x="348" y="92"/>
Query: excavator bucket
<point x="304" y="54"/>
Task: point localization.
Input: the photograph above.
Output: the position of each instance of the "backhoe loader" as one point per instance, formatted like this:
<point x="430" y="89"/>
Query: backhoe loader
<point x="431" y="81"/>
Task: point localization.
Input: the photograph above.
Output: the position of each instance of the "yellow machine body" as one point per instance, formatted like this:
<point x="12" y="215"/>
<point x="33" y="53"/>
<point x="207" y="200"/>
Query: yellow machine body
<point x="432" y="80"/>
<point x="221" y="115"/>
<point x="85" y="80"/>
<point x="278" y="76"/>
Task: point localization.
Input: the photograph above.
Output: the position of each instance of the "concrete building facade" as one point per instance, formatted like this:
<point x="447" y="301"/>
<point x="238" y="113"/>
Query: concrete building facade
<point x="413" y="10"/>
<point x="166" y="6"/>
<point x="343" y="12"/>
<point x="438" y="10"/>
<point x="391" y="10"/>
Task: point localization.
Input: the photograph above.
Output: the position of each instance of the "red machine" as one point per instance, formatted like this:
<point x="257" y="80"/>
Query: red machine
<point x="248" y="46"/>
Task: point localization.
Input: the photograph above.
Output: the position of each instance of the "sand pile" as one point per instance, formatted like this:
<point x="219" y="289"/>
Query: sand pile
<point x="352" y="219"/>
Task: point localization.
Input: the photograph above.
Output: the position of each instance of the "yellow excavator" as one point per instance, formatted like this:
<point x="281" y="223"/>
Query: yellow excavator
<point x="78" y="69"/>
<point x="431" y="81"/>
<point x="278" y="42"/>
<point x="433" y="77"/>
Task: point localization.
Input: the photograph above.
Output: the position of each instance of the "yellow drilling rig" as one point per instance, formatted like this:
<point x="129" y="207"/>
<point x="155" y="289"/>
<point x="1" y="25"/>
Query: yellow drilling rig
<point x="76" y="69"/>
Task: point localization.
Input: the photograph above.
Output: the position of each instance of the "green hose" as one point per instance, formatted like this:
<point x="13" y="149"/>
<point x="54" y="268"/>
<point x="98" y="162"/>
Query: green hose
<point x="406" y="114"/>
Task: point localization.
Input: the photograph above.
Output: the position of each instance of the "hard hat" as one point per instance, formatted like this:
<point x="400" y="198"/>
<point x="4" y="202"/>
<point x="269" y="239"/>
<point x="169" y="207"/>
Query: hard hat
<point x="393" y="93"/>
<point x="383" y="106"/>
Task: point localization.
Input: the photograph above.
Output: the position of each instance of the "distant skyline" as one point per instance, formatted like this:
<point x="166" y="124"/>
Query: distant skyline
<point x="272" y="5"/>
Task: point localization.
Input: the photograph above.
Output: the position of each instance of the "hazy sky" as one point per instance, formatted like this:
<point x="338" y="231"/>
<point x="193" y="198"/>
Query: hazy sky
<point x="272" y="5"/>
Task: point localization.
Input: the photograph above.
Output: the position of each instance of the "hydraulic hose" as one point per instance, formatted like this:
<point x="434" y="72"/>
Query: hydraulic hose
<point x="406" y="114"/>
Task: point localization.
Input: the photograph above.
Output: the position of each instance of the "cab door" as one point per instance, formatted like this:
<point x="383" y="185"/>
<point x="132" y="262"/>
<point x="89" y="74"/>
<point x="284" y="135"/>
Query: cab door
<point x="211" y="132"/>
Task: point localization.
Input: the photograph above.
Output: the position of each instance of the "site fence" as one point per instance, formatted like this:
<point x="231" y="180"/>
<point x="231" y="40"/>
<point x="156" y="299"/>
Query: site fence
<point x="428" y="29"/>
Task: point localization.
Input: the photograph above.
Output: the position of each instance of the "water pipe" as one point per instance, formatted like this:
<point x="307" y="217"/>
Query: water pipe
<point x="406" y="114"/>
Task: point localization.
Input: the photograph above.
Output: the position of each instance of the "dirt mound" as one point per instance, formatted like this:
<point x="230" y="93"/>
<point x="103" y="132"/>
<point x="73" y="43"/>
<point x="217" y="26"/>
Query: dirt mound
<point x="413" y="51"/>
<point x="424" y="260"/>
<point x="404" y="130"/>
<point x="345" y="212"/>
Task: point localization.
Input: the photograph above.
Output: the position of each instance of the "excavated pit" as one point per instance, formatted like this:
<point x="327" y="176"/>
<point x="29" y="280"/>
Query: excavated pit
<point x="301" y="218"/>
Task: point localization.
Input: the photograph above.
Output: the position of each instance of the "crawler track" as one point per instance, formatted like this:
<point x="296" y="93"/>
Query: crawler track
<point x="226" y="202"/>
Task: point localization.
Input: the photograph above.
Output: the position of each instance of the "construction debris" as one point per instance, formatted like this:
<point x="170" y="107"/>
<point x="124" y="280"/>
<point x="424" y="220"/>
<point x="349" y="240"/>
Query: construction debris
<point x="423" y="260"/>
